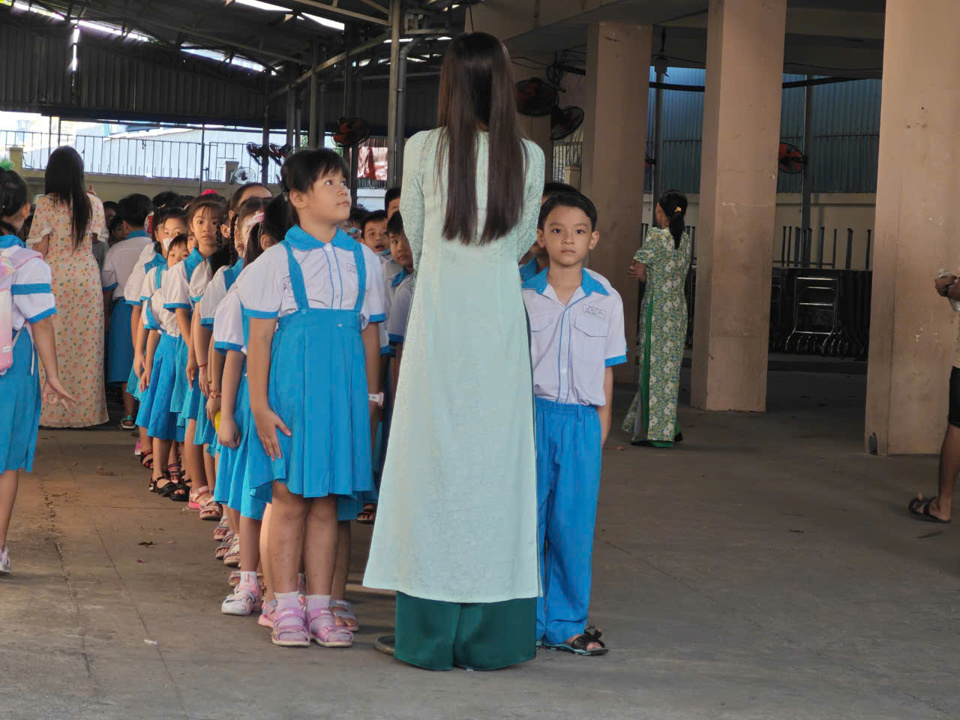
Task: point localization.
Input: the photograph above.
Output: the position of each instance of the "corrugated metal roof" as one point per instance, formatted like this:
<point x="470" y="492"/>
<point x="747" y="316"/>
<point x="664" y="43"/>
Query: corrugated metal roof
<point x="846" y="133"/>
<point x="34" y="69"/>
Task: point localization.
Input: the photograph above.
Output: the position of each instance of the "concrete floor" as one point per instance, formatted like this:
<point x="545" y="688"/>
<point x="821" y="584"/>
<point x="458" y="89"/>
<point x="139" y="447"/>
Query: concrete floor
<point x="764" y="569"/>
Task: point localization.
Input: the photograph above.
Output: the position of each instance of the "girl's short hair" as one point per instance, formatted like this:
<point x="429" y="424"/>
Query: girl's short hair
<point x="303" y="168"/>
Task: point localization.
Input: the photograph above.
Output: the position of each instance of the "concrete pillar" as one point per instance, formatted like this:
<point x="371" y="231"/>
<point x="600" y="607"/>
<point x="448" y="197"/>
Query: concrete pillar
<point x="614" y="147"/>
<point x="912" y="330"/>
<point x="738" y="202"/>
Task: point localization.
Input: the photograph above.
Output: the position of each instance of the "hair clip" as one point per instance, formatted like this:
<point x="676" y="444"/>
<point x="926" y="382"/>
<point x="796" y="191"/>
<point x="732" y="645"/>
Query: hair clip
<point x="286" y="196"/>
<point x="678" y="210"/>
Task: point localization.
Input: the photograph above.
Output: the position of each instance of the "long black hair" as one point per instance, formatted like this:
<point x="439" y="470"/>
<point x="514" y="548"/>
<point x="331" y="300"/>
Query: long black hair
<point x="477" y="91"/>
<point x="246" y="210"/>
<point x="300" y="171"/>
<point x="674" y="205"/>
<point x="64" y="178"/>
<point x="13" y="196"/>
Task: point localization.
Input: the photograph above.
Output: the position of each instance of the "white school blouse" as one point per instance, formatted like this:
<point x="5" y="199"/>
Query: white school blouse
<point x="329" y="277"/>
<point x="155" y="315"/>
<point x="120" y="263"/>
<point x="572" y="345"/>
<point x="181" y="293"/>
<point x="228" y="324"/>
<point x="134" y="284"/>
<point x="31" y="298"/>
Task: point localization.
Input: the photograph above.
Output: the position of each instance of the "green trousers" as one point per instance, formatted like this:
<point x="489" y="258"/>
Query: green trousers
<point x="439" y="635"/>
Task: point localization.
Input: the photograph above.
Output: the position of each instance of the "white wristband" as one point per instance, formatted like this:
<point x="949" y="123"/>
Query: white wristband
<point x="376" y="399"/>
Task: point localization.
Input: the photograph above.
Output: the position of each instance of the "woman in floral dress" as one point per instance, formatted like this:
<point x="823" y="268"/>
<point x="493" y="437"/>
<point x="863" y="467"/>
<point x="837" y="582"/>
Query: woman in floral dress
<point x="66" y="222"/>
<point x="662" y="263"/>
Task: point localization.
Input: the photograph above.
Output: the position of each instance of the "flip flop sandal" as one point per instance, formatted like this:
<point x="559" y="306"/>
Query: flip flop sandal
<point x="211" y="511"/>
<point x="128" y="423"/>
<point x="581" y="643"/>
<point x="325" y="632"/>
<point x="920" y="509"/>
<point x="343" y="614"/>
<point x="290" y="628"/>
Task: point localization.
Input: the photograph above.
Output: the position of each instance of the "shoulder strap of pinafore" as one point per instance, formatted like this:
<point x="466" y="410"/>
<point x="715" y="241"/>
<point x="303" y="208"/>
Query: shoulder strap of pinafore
<point x="296" y="279"/>
<point x="361" y="275"/>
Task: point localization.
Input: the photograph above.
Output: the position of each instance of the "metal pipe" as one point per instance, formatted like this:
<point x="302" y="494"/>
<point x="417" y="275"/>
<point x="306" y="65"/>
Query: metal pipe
<point x="401" y="111"/>
<point x="312" y="134"/>
<point x="264" y="142"/>
<point x="291" y="109"/>
<point x="203" y="152"/>
<point x="392" y="92"/>
<point x="805" y="204"/>
<point x="657" y="146"/>
<point x="322" y="116"/>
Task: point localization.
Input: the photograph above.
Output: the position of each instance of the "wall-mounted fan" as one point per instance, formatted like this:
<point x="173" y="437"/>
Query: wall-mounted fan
<point x="536" y="97"/>
<point x="279" y="152"/>
<point x="351" y="131"/>
<point x="565" y="121"/>
<point x="790" y="159"/>
<point x="240" y="175"/>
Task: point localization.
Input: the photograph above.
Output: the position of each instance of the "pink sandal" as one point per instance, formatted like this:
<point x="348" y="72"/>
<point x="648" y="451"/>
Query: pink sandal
<point x="266" y="614"/>
<point x="211" y="510"/>
<point x="197" y="499"/>
<point x="290" y="628"/>
<point x="224" y="546"/>
<point x="325" y="632"/>
<point x="221" y="530"/>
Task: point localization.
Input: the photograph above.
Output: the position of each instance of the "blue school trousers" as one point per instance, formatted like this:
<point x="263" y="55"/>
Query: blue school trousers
<point x="568" y="485"/>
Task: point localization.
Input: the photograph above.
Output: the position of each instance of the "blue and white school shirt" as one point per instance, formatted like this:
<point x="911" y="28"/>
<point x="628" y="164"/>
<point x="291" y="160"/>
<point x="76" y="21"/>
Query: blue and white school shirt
<point x="329" y="277"/>
<point x="216" y="291"/>
<point x="572" y="345"/>
<point x="228" y="324"/>
<point x="184" y="285"/>
<point x="121" y="261"/>
<point x="529" y="270"/>
<point x="156" y="316"/>
<point x="31" y="297"/>
<point x="400" y="309"/>
<point x="148" y="259"/>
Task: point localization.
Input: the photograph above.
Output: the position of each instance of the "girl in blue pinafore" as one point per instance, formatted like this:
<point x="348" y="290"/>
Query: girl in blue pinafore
<point x="241" y="455"/>
<point x="313" y="303"/>
<point x="159" y="376"/>
<point x="26" y="327"/>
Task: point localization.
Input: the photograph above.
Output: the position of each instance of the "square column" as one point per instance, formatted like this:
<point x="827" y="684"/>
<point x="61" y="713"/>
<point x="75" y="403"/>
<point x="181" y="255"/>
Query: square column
<point x="912" y="330"/>
<point x="614" y="150"/>
<point x="738" y="202"/>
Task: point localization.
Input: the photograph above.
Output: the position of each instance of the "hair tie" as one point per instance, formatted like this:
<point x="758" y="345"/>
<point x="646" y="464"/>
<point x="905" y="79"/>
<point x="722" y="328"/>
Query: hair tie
<point x="678" y="210"/>
<point x="148" y="224"/>
<point x="286" y="196"/>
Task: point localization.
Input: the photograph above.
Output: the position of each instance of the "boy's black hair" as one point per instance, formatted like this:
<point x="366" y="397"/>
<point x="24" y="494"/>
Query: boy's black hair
<point x="134" y="209"/>
<point x="181" y="239"/>
<point x="111" y="205"/>
<point x="13" y="196"/>
<point x="392" y="194"/>
<point x="375" y="216"/>
<point x="553" y="188"/>
<point x="167" y="198"/>
<point x="358" y="215"/>
<point x="395" y="224"/>
<point x="115" y="223"/>
<point x="571" y="200"/>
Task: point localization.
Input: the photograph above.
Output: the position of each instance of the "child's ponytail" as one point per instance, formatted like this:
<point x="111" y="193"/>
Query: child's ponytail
<point x="674" y="206"/>
<point x="13" y="196"/>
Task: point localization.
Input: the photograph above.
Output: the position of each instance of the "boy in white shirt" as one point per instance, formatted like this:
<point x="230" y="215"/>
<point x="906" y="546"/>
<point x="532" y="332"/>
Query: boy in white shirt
<point x="577" y="336"/>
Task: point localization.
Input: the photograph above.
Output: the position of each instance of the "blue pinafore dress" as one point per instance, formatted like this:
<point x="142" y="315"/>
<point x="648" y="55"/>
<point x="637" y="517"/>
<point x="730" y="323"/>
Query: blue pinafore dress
<point x="186" y="396"/>
<point x="133" y="382"/>
<point x="156" y="414"/>
<point x="318" y="387"/>
<point x="206" y="433"/>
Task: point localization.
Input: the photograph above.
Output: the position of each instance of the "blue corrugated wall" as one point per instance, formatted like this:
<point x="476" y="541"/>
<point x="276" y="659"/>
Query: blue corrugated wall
<point x="846" y="134"/>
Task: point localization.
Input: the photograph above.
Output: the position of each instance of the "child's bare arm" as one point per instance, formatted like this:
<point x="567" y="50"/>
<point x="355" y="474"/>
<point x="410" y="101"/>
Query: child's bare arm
<point x="606" y="412"/>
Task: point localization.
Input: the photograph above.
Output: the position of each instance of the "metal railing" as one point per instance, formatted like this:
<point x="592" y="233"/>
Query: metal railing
<point x="137" y="156"/>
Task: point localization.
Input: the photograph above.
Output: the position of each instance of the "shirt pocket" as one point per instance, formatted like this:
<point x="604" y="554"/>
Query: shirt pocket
<point x="589" y="338"/>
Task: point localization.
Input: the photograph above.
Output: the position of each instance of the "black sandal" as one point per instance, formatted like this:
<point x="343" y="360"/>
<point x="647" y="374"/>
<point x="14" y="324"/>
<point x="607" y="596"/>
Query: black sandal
<point x="581" y="643"/>
<point x="169" y="490"/>
<point x="920" y="509"/>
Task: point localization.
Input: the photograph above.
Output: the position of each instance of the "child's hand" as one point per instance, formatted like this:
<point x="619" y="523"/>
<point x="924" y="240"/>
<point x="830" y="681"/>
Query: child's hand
<point x="55" y="394"/>
<point x="638" y="271"/>
<point x="192" y="368"/>
<point x="204" y="382"/>
<point x="138" y="364"/>
<point x="145" y="377"/>
<point x="941" y="282"/>
<point x="228" y="434"/>
<point x="213" y="407"/>
<point x="268" y="422"/>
